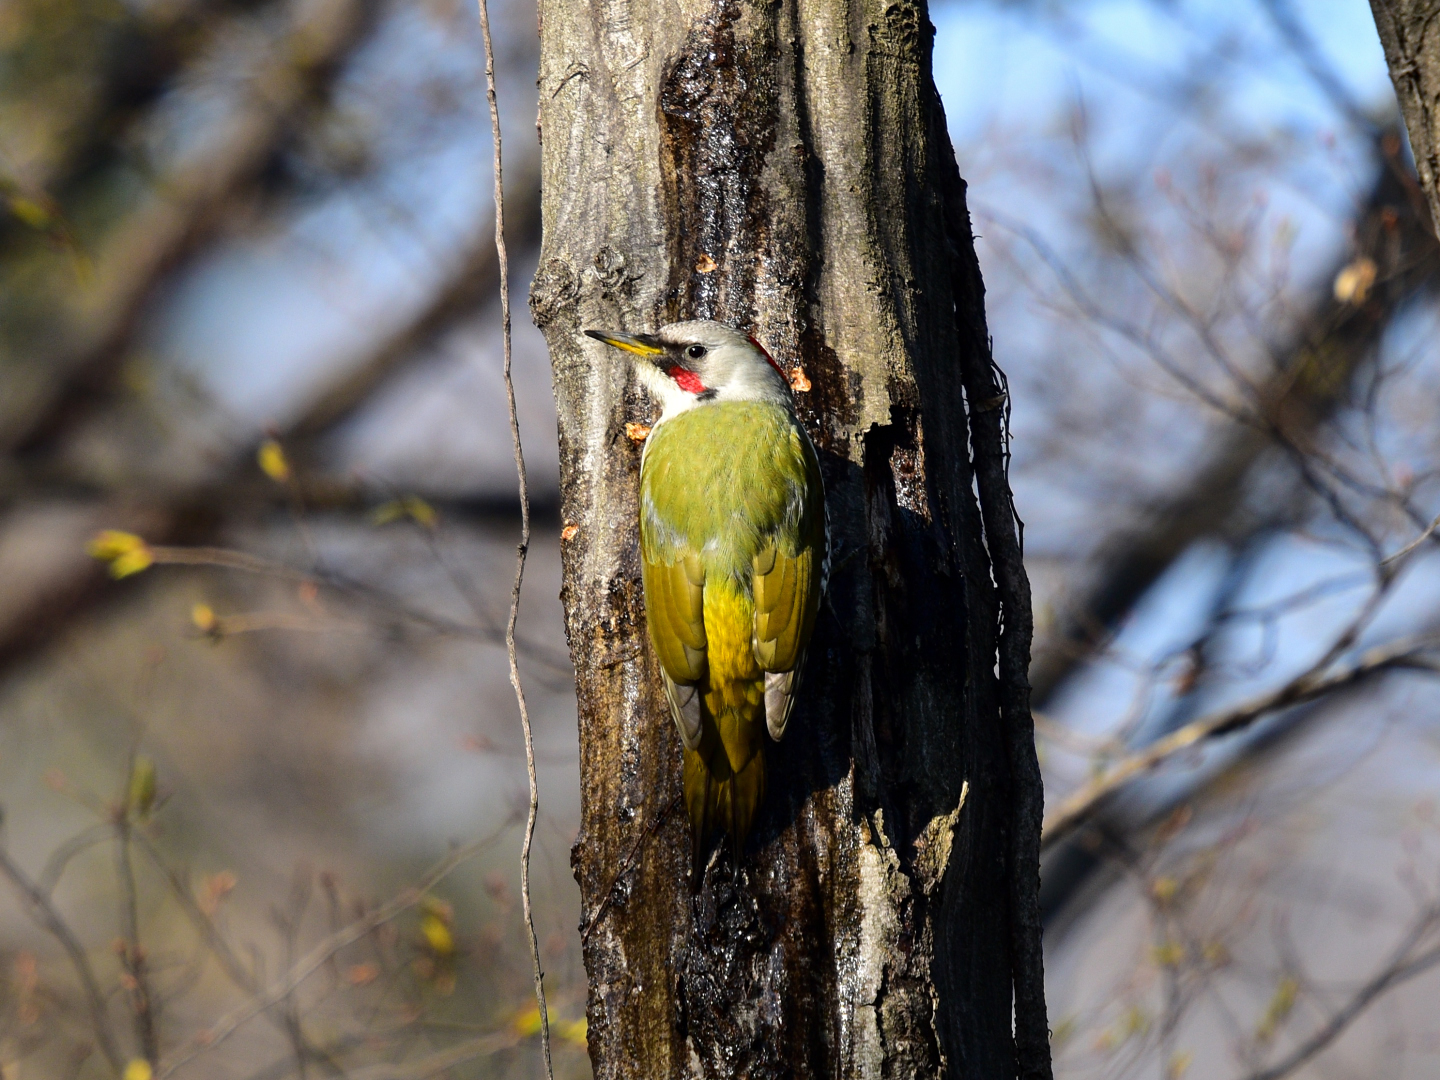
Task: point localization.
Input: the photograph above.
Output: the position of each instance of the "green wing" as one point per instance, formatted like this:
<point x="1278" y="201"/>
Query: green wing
<point x="787" y="599"/>
<point x="674" y="605"/>
<point x="741" y="490"/>
<point x="786" y="576"/>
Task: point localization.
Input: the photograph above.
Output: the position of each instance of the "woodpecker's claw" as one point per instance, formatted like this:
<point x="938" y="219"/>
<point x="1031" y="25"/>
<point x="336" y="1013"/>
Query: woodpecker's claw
<point x="639" y="344"/>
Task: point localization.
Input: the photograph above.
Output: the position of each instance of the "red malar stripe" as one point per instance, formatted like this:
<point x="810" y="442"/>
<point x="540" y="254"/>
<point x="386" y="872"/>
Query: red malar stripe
<point x="686" y="379"/>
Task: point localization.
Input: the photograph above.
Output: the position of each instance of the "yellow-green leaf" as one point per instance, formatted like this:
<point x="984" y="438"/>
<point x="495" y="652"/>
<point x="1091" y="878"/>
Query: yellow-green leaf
<point x="1281" y="1002"/>
<point x="31" y="211"/>
<point x="142" y="787"/>
<point x="437" y="935"/>
<point x="411" y="506"/>
<point x="526" y="1022"/>
<point x="125" y="552"/>
<point x="271" y="458"/>
<point x="1168" y="954"/>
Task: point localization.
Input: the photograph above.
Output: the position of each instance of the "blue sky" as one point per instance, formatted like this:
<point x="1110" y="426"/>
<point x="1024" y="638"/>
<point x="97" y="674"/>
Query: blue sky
<point x="1000" y="63"/>
<point x="269" y="317"/>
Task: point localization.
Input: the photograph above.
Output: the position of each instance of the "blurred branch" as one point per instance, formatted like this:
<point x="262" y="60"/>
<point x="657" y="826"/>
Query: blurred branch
<point x="244" y="562"/>
<point x="1409" y="548"/>
<point x="134" y="54"/>
<point x="133" y="956"/>
<point x="60" y="858"/>
<point x="219" y="948"/>
<point x="473" y="280"/>
<point x="1309" y="379"/>
<point x="1079" y="807"/>
<point x="281" y="988"/>
<point x="70" y="582"/>
<point x="439" y="1062"/>
<point x="1403" y="965"/>
<point x="240" y="495"/>
<point x="1321" y="71"/>
<point x="185" y="209"/>
<point x="43" y="910"/>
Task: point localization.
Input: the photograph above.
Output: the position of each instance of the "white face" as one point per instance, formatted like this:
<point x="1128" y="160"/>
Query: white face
<point x="706" y="362"/>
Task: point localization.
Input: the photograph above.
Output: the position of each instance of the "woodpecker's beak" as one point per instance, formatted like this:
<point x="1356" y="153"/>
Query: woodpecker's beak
<point x="639" y="344"/>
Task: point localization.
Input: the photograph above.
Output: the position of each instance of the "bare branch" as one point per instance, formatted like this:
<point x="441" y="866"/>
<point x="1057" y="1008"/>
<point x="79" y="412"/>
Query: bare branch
<point x="184" y="209"/>
<point x="215" y="942"/>
<point x="279" y="989"/>
<point x="503" y="261"/>
<point x="43" y="911"/>
<point x="133" y="957"/>
<point x="438" y="1062"/>
<point x="1400" y="968"/>
<point x="1332" y="341"/>
<point x="230" y="559"/>
<point x="1400" y="556"/>
<point x="1314" y="683"/>
<point x="60" y="858"/>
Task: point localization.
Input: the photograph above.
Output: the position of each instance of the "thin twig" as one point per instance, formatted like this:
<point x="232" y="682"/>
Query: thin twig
<point x="61" y="856"/>
<point x="218" y="947"/>
<point x="133" y="958"/>
<point x="1412" y="545"/>
<point x="203" y="924"/>
<point x="316" y="958"/>
<point x="229" y="559"/>
<point x="1075" y="810"/>
<point x="625" y="863"/>
<point x="43" y="910"/>
<point x="132" y="953"/>
<point x="1400" y="968"/>
<point x="441" y="1060"/>
<point x="524" y="545"/>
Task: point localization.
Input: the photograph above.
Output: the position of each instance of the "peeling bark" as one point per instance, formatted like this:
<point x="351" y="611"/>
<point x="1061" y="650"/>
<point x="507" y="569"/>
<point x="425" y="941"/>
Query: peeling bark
<point x="786" y="168"/>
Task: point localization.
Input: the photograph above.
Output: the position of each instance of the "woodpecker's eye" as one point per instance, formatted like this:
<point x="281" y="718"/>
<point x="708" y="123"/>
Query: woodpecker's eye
<point x="695" y="352"/>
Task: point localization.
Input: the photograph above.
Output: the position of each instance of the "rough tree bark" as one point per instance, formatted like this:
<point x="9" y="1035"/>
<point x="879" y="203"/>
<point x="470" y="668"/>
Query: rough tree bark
<point x="785" y="167"/>
<point x="1410" y="33"/>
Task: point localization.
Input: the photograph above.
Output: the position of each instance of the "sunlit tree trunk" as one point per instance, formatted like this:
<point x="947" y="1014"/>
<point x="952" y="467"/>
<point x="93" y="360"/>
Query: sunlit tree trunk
<point x="1410" y="33"/>
<point x="786" y="168"/>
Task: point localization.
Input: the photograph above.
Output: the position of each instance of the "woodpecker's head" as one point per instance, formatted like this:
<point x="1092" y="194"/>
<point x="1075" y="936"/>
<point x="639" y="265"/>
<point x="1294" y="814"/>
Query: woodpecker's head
<point x="695" y="363"/>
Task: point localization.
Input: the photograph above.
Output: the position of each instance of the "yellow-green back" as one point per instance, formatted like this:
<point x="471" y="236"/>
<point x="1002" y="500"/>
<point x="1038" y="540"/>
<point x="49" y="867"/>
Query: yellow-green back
<point x="731" y="508"/>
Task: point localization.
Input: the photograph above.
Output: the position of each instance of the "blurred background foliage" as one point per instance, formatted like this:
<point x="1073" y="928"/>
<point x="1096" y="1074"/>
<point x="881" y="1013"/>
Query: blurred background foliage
<point x="247" y="315"/>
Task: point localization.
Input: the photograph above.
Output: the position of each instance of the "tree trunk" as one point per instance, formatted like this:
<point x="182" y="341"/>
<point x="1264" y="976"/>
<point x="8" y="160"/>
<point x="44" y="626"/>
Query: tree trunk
<point x="1410" y="34"/>
<point x="786" y="168"/>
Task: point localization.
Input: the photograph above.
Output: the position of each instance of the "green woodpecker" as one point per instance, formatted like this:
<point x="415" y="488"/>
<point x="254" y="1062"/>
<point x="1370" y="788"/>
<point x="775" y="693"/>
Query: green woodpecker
<point x="733" y="552"/>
